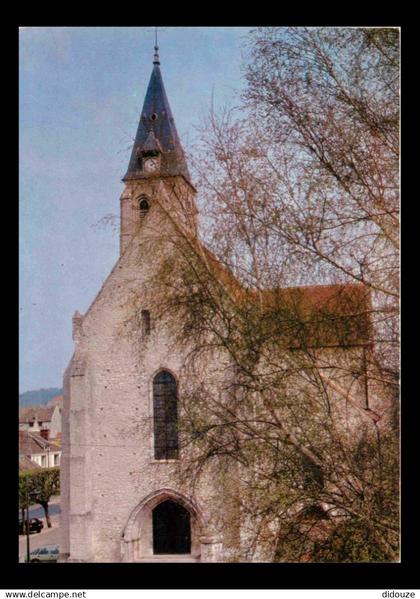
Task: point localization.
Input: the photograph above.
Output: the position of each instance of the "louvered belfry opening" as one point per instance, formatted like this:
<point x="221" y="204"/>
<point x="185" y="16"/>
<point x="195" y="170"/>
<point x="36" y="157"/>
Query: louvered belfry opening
<point x="171" y="529"/>
<point x="165" y="416"/>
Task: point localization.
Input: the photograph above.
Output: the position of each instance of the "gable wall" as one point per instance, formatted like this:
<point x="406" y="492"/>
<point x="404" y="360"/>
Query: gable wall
<point x="111" y="466"/>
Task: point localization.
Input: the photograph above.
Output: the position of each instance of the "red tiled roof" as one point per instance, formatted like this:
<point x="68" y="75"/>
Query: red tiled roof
<point x="322" y="315"/>
<point x="30" y="443"/>
<point x="315" y="316"/>
<point x="26" y="463"/>
<point x="343" y="299"/>
<point x="39" y="413"/>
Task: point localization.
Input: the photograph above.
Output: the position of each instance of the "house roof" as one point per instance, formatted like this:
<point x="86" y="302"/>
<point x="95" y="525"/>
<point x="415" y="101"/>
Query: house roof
<point x="321" y="315"/>
<point x="304" y="316"/>
<point x="26" y="463"/>
<point x="56" y="442"/>
<point x="311" y="316"/>
<point x="30" y="443"/>
<point x="39" y="413"/>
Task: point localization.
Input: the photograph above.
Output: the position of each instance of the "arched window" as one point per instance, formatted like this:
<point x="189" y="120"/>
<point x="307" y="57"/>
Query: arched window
<point x="165" y="416"/>
<point x="171" y="528"/>
<point x="143" y="206"/>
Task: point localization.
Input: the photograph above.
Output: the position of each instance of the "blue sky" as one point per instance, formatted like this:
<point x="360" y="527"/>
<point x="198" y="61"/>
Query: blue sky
<point x="81" y="91"/>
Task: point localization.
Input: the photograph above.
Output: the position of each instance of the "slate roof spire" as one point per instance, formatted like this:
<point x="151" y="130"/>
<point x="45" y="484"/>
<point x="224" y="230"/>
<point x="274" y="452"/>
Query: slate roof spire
<point x="156" y="132"/>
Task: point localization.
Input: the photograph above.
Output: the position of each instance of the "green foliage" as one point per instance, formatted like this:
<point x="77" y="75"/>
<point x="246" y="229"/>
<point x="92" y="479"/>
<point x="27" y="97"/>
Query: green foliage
<point x="351" y="541"/>
<point x="38" y="486"/>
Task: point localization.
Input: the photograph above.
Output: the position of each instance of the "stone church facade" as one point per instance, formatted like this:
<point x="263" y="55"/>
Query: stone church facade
<point x="121" y="497"/>
<point x="113" y="477"/>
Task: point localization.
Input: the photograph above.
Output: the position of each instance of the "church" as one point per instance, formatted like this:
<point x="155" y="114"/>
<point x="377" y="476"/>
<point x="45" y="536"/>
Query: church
<point x="122" y="499"/>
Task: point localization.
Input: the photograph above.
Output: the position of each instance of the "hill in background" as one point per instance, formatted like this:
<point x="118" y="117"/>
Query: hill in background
<point x="38" y="397"/>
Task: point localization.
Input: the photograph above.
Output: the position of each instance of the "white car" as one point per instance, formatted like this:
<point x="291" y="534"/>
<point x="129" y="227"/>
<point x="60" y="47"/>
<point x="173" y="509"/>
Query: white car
<point x="48" y="553"/>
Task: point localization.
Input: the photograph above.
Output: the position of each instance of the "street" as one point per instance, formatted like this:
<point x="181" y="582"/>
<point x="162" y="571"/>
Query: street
<point x="38" y="512"/>
<point x="48" y="536"/>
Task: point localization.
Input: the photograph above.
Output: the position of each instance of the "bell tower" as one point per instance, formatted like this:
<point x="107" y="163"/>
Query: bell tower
<point x="157" y="163"/>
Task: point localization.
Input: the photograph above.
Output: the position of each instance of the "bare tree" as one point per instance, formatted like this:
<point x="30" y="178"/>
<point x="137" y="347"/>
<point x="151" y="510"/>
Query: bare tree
<point x="310" y="174"/>
<point x="299" y="187"/>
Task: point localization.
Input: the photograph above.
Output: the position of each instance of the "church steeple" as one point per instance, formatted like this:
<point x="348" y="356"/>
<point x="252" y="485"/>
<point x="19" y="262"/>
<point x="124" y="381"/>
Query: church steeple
<point x="156" y="149"/>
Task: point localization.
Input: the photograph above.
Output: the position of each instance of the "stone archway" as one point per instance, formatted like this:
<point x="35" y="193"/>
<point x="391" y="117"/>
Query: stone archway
<point x="137" y="538"/>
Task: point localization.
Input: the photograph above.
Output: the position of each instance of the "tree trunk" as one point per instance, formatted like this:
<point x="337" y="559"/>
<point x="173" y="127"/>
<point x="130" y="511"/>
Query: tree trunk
<point x="23" y="520"/>
<point x="47" y="515"/>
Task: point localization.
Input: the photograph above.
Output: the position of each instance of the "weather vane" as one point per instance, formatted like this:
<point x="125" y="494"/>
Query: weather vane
<point x="156" y="59"/>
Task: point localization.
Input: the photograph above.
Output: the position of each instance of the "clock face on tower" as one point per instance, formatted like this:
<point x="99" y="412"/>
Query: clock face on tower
<point x="151" y="165"/>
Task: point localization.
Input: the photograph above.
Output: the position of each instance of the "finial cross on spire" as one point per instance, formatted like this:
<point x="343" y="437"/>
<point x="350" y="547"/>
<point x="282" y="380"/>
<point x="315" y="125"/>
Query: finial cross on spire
<point x="156" y="59"/>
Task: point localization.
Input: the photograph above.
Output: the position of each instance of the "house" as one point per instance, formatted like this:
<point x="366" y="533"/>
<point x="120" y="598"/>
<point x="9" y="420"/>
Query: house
<point x="45" y="420"/>
<point x="34" y="449"/>
<point x="26" y="463"/>
<point x="122" y="499"/>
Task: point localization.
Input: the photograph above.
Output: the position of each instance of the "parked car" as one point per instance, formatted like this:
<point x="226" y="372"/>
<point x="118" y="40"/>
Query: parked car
<point x="48" y="553"/>
<point x="35" y="525"/>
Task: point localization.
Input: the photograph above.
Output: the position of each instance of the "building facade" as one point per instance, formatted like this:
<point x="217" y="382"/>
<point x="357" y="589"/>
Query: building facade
<point x="45" y="420"/>
<point x="122" y="496"/>
<point x="38" y="450"/>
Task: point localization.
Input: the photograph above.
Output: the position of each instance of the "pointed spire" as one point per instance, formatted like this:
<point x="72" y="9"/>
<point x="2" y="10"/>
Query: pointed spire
<point x="156" y="132"/>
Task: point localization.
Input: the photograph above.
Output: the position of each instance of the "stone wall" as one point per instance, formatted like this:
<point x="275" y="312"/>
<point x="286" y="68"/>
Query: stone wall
<point x="110" y="468"/>
<point x="110" y="479"/>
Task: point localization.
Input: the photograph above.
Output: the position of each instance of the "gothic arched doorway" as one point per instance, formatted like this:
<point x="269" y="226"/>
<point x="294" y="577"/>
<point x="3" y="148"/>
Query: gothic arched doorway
<point x="171" y="529"/>
<point x="164" y="524"/>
